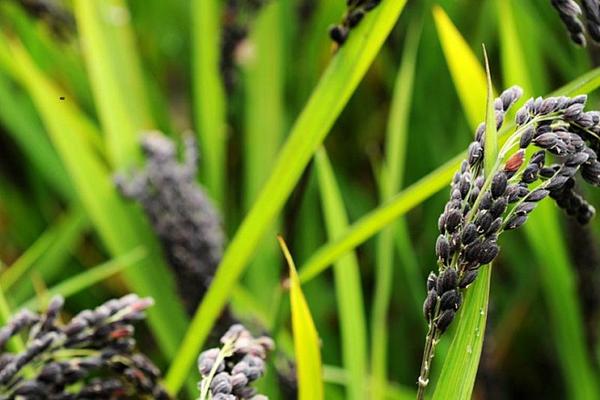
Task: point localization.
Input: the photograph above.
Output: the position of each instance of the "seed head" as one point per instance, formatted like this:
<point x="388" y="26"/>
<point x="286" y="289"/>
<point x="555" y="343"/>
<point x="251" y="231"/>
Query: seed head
<point x="499" y="183"/>
<point x="181" y="214"/>
<point x="429" y="304"/>
<point x="52" y="364"/>
<point x="482" y="207"/>
<point x="444" y="320"/>
<point x="514" y="162"/>
<point x="244" y="362"/>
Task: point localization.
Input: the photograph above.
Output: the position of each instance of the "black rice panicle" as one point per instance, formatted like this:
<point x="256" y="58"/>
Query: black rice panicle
<point x="228" y="372"/>
<point x="92" y="356"/>
<point x="554" y="141"/>
<point x="181" y="214"/>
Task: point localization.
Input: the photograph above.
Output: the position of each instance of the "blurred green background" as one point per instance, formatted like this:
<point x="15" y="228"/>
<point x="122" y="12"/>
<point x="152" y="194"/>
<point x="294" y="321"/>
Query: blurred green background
<point x="128" y="66"/>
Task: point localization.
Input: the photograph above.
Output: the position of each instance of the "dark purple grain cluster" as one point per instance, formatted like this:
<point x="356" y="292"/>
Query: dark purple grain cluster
<point x="243" y="363"/>
<point x="482" y="207"/>
<point x="181" y="214"/>
<point x="356" y="10"/>
<point x="91" y="357"/>
<point x="570" y="12"/>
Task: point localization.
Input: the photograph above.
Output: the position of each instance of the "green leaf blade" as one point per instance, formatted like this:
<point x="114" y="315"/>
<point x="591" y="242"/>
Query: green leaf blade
<point x="209" y="96"/>
<point x="114" y="69"/>
<point x="60" y="238"/>
<point x="119" y="228"/>
<point x="390" y="183"/>
<point x="347" y="284"/>
<point x="379" y="218"/>
<point x="264" y="76"/>
<point x="327" y="101"/>
<point x="460" y="368"/>
<point x="91" y="277"/>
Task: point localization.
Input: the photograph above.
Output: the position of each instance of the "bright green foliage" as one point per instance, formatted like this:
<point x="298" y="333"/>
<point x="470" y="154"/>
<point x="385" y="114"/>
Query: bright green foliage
<point x="460" y="367"/>
<point x="114" y="69"/>
<point x="395" y="107"/>
<point x="116" y="224"/>
<point x="313" y="124"/>
<point x="347" y="284"/>
<point x="209" y="95"/>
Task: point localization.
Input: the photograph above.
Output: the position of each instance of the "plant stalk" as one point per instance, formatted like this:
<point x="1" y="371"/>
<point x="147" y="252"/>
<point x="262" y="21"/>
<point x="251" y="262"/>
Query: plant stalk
<point x="428" y="353"/>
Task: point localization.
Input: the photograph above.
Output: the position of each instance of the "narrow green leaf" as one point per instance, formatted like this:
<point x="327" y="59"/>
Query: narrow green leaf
<point x="264" y="129"/>
<point x="264" y="105"/>
<point x="415" y="194"/>
<point x="306" y="338"/>
<point x="514" y="65"/>
<point x="209" y="95"/>
<point x="120" y="229"/>
<point x="66" y="231"/>
<point x="11" y="67"/>
<point x="311" y="48"/>
<point x="390" y="184"/>
<point x="69" y="232"/>
<point x="52" y="56"/>
<point x="460" y="368"/>
<point x="16" y="343"/>
<point x="10" y="275"/>
<point x="15" y="204"/>
<point x="114" y="71"/>
<point x="327" y="101"/>
<point x="91" y="277"/>
<point x="347" y="284"/>
<point x="18" y="115"/>
<point x="336" y="375"/>
<point x="379" y="218"/>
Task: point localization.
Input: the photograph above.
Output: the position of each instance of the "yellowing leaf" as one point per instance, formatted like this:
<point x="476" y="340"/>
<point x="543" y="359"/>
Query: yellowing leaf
<point x="466" y="71"/>
<point x="306" y="338"/>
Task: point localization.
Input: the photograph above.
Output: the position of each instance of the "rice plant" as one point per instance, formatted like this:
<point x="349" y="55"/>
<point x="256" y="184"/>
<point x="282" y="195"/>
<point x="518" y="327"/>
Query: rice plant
<point x="271" y="178"/>
<point x="487" y="201"/>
